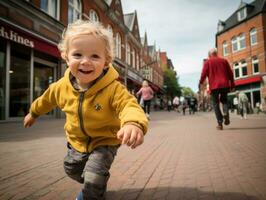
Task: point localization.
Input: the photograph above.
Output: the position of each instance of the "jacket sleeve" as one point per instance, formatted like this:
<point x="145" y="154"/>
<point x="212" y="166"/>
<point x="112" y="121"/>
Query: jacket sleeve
<point x="204" y="73"/>
<point x="45" y="103"/>
<point x="230" y="75"/>
<point x="127" y="108"/>
<point x="139" y="92"/>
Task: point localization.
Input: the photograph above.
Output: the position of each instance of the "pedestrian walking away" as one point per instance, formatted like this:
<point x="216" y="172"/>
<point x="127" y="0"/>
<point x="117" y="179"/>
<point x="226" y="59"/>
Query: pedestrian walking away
<point x="146" y="94"/>
<point x="243" y="104"/>
<point x="176" y="103"/>
<point x="221" y="81"/>
<point x="100" y="112"/>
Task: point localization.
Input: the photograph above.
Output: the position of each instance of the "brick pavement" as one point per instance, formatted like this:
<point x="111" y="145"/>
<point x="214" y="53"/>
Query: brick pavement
<point x="183" y="157"/>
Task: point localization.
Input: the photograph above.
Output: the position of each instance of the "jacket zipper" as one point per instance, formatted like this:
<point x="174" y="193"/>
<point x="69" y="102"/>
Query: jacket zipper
<point x="81" y="98"/>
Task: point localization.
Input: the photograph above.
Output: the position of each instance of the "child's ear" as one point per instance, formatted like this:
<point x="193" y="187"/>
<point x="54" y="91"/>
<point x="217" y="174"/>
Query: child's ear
<point x="63" y="55"/>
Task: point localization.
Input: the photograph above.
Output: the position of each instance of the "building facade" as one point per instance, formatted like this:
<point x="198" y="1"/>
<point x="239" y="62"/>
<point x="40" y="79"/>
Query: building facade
<point x="241" y="40"/>
<point x="29" y="59"/>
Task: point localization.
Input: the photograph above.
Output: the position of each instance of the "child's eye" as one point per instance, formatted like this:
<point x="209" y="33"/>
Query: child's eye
<point x="77" y="55"/>
<point x="95" y="56"/>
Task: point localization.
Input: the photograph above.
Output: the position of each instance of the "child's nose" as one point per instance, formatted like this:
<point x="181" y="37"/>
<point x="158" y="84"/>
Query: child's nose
<point x="86" y="59"/>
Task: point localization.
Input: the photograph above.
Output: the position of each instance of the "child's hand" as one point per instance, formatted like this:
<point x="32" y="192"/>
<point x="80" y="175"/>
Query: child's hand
<point x="131" y="135"/>
<point x="28" y="120"/>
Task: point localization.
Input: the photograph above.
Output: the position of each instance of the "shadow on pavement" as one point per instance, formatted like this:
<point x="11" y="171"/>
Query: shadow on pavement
<point x="247" y="128"/>
<point x="179" y="193"/>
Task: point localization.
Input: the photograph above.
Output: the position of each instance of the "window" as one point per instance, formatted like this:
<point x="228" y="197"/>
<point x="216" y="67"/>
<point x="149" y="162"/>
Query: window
<point x="74" y="10"/>
<point x="19" y="80"/>
<point x="255" y="65"/>
<point x="253" y="36"/>
<point x="3" y="79"/>
<point x="109" y="28"/>
<point x="128" y="54"/>
<point x="50" y="7"/>
<point x="93" y="16"/>
<point x="238" y="43"/>
<point x="138" y="62"/>
<point x="236" y="70"/>
<point x="234" y="44"/>
<point x="133" y="58"/>
<point x="225" y="50"/>
<point x="244" y="71"/>
<point x="118" y="46"/>
<point x="241" y="41"/>
<point x="242" y="14"/>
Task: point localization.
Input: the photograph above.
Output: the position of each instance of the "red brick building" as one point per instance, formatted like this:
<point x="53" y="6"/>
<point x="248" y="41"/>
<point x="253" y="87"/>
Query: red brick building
<point x="241" y="40"/>
<point x="29" y="59"/>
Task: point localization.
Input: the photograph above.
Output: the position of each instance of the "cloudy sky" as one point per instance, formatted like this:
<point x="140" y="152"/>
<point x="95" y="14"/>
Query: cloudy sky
<point x="185" y="29"/>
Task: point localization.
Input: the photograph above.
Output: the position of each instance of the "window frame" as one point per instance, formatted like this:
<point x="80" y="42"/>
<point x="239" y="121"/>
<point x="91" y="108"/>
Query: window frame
<point x="49" y="10"/>
<point x="93" y="16"/>
<point x="252" y="34"/>
<point x="77" y="10"/>
<point x="254" y="61"/>
<point x="225" y="48"/>
<point x="241" y="17"/>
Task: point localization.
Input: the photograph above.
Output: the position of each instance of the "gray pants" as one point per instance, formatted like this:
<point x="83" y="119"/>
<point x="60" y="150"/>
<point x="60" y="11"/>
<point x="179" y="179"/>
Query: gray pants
<point x="92" y="169"/>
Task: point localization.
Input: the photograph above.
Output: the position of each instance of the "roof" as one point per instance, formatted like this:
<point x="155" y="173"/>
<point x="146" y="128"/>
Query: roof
<point x="254" y="8"/>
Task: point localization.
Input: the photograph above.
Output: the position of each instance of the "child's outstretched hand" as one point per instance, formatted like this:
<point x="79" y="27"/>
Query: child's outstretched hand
<point x="28" y="120"/>
<point x="131" y="135"/>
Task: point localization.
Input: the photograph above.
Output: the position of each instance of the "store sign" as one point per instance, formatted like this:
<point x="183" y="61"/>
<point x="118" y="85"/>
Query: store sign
<point x="14" y="36"/>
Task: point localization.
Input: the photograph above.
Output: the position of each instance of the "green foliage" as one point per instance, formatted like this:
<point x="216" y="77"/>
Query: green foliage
<point x="187" y="91"/>
<point x="171" y="84"/>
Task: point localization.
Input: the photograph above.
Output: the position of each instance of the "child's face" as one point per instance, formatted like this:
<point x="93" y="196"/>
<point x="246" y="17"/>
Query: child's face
<point x="86" y="58"/>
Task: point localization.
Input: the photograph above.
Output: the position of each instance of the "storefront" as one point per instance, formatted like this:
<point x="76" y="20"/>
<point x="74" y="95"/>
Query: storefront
<point x="28" y="64"/>
<point x="251" y="86"/>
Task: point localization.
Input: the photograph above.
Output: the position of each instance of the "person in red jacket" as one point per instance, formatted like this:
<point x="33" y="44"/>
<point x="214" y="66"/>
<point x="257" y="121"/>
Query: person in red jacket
<point x="221" y="81"/>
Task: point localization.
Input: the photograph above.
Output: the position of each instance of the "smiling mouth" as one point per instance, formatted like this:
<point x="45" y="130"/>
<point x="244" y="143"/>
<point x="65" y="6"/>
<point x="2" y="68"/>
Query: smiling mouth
<point x="85" y="71"/>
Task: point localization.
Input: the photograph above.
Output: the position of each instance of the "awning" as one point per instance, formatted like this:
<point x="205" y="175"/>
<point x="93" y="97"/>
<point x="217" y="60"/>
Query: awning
<point x="248" y="80"/>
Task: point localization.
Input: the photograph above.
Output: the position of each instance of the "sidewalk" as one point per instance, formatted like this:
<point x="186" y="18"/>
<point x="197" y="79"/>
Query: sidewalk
<point x="183" y="157"/>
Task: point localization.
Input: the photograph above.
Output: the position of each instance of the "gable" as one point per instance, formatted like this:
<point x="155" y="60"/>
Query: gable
<point x="116" y="6"/>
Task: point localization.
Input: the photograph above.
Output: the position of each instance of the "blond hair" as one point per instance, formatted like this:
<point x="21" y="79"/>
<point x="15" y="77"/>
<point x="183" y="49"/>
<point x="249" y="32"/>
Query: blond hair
<point x="145" y="83"/>
<point x="83" y="27"/>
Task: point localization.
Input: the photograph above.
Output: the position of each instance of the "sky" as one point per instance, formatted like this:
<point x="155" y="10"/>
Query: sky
<point x="185" y="29"/>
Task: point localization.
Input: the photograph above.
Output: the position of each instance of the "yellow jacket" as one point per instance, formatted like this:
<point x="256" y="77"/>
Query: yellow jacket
<point x="94" y="117"/>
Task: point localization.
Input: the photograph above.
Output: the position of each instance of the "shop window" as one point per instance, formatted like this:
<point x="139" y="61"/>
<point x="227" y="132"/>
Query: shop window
<point x="3" y="79"/>
<point x="74" y="10"/>
<point x="19" y="80"/>
<point x="50" y="7"/>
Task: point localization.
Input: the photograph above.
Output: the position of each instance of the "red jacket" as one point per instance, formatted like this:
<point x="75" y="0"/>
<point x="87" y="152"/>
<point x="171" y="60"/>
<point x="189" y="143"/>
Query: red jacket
<point x="219" y="73"/>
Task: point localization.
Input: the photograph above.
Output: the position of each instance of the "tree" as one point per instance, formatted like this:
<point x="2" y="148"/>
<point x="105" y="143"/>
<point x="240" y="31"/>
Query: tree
<point x="187" y="91"/>
<point x="171" y="84"/>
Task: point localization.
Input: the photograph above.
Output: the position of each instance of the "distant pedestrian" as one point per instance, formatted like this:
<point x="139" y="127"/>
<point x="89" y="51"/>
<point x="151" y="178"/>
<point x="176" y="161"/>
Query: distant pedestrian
<point x="169" y="105"/>
<point x="221" y="81"/>
<point x="146" y="94"/>
<point x="235" y="104"/>
<point x="176" y="103"/>
<point x="100" y="112"/>
<point x="243" y="104"/>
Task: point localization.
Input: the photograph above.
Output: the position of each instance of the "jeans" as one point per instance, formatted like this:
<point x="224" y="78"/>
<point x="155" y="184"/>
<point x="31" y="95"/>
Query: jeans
<point x="220" y="96"/>
<point x="147" y="105"/>
<point x="92" y="169"/>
